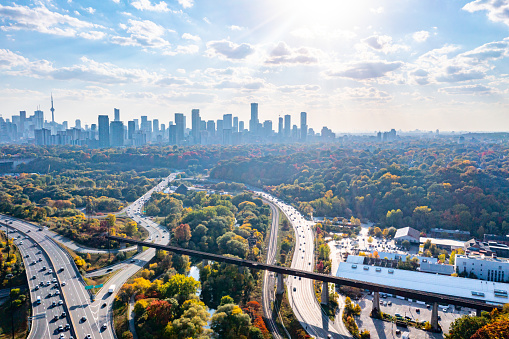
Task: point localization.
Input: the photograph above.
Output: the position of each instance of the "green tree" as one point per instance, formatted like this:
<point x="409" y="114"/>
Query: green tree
<point x="465" y="327"/>
<point x="230" y="322"/>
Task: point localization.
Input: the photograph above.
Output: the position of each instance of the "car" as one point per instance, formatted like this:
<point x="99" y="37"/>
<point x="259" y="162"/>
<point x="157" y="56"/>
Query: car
<point x="64" y="283"/>
<point x="27" y="256"/>
<point x="60" y="302"/>
<point x="385" y="303"/>
<point x="55" y="317"/>
<point x="60" y="328"/>
<point x="83" y="319"/>
<point x="54" y="280"/>
<point x="61" y="269"/>
<point x="44" y="268"/>
<point x="381" y="302"/>
<point x="33" y="277"/>
<point x="407" y="317"/>
<point x="389" y="303"/>
<point x="132" y="260"/>
<point x="67" y="326"/>
<point x="50" y="271"/>
<point x="444" y="310"/>
<point x="41" y="283"/>
<point x="398" y="331"/>
<point x="36" y="287"/>
<point x="34" y="262"/>
<point x="439" y="318"/>
<point x="40" y="259"/>
<point x="55" y="286"/>
<point x="295" y="289"/>
<point x="88" y="336"/>
<point x="47" y="283"/>
<point x="428" y="306"/>
<point x="109" y="270"/>
<point x="417" y="310"/>
<point x="103" y="305"/>
<point x="28" y="231"/>
<point x="57" y="292"/>
<point x="397" y="315"/>
<point x="63" y="315"/>
<point x="62" y="336"/>
<point x="104" y="326"/>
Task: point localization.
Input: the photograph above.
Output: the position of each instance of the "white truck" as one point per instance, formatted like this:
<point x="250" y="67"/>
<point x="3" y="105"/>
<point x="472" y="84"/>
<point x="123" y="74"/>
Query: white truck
<point x="111" y="289"/>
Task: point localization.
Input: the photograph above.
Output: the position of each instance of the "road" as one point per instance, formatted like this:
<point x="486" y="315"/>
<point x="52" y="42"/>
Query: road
<point x="268" y="277"/>
<point x="300" y="290"/>
<point x="87" y="317"/>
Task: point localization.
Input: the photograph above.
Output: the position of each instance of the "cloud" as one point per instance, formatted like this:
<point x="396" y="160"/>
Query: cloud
<point x="189" y="36"/>
<point x="421" y="36"/>
<point x="42" y="20"/>
<point x="283" y="54"/>
<point x="378" y="10"/>
<point x="366" y="70"/>
<point x="116" y="1"/>
<point x="92" y="35"/>
<point x="235" y="28"/>
<point x="90" y="10"/>
<point x="229" y="50"/>
<point x="322" y="33"/>
<point x="143" y="5"/>
<point x="168" y="81"/>
<point x="9" y="59"/>
<point x="206" y="20"/>
<point x="186" y="3"/>
<point x="383" y="43"/>
<point x="469" y="89"/>
<point x="458" y="74"/>
<point x="295" y="88"/>
<point x="364" y="94"/>
<point x="498" y="10"/>
<point x="248" y="85"/>
<point x="143" y="33"/>
<point x="189" y="49"/>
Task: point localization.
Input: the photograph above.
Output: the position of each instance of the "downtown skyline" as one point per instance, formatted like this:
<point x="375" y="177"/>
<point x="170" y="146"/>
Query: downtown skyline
<point x="375" y="65"/>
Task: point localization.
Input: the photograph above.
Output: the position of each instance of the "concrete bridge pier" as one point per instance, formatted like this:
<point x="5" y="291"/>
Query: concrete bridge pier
<point x="325" y="293"/>
<point x="375" y="308"/>
<point x="280" y="284"/>
<point x="140" y="248"/>
<point x="434" y="317"/>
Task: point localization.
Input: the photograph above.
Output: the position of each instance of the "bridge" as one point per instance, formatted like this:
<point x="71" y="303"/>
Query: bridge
<point x="432" y="298"/>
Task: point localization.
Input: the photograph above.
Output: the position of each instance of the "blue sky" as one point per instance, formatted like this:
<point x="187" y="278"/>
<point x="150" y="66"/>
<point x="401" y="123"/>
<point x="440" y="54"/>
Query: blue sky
<point x="352" y="65"/>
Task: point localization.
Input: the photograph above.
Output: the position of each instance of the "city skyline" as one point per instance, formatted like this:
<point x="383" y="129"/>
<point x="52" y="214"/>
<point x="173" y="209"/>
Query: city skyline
<point x="371" y="66"/>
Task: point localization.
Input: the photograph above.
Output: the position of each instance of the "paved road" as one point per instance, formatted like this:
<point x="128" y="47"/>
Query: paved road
<point x="300" y="290"/>
<point x="269" y="277"/>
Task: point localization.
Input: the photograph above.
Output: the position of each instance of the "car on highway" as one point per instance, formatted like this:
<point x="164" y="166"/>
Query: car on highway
<point x="104" y="326"/>
<point x="57" y="292"/>
<point x="103" y="305"/>
<point x="60" y="302"/>
<point x="36" y="287"/>
<point x="55" y="317"/>
<point x="63" y="315"/>
<point x="83" y="319"/>
<point x="64" y="283"/>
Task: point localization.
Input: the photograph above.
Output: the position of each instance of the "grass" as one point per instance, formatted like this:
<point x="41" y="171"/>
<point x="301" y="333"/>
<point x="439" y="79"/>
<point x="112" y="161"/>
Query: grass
<point x="19" y="276"/>
<point x="120" y="321"/>
<point x="98" y="260"/>
<point x="20" y="317"/>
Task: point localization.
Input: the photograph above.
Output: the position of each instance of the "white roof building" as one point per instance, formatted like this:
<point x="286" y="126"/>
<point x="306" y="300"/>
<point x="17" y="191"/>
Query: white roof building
<point x="485" y="268"/>
<point x="490" y="292"/>
<point x="407" y="233"/>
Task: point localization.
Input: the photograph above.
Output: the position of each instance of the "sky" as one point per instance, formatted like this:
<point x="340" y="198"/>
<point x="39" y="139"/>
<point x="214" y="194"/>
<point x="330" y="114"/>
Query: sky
<point x="354" y="66"/>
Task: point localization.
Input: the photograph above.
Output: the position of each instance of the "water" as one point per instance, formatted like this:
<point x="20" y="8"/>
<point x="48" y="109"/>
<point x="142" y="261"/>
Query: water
<point x="195" y="273"/>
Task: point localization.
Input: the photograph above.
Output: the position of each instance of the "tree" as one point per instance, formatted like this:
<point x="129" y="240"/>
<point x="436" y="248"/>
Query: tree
<point x="160" y="312"/>
<point x="180" y="287"/>
<point x="131" y="228"/>
<point x="465" y="327"/>
<point x="112" y="219"/>
<point x="406" y="244"/>
<point x="191" y="324"/>
<point x="377" y="232"/>
<point x="230" y="322"/>
<point x="183" y="233"/>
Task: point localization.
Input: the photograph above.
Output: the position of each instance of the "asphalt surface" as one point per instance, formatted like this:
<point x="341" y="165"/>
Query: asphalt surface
<point x="300" y="290"/>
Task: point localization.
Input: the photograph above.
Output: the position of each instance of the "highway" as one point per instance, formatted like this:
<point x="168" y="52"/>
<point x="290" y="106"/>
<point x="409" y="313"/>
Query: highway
<point x="269" y="277"/>
<point x="300" y="290"/>
<point x="85" y="317"/>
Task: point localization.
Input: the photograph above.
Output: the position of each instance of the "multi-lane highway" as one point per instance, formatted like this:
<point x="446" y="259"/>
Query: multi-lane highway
<point x="300" y="290"/>
<point x="86" y="318"/>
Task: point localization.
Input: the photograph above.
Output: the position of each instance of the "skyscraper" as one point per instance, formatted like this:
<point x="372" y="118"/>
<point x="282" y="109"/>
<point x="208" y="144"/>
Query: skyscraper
<point x="180" y="128"/>
<point x="235" y="124"/>
<point x="116" y="111"/>
<point x="253" y="123"/>
<point x="117" y="133"/>
<point x="280" y="127"/>
<point x="288" y="125"/>
<point x="131" y="128"/>
<point x="155" y="125"/>
<point x="303" y="126"/>
<point x="196" y="126"/>
<point x="211" y="128"/>
<point x="227" y="121"/>
<point x="104" y="131"/>
<point x="77" y="124"/>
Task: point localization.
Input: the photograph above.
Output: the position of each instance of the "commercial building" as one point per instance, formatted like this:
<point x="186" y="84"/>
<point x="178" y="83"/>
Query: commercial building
<point x="482" y="267"/>
<point x="104" y="131"/>
<point x="407" y="233"/>
<point x="253" y="123"/>
<point x="117" y="133"/>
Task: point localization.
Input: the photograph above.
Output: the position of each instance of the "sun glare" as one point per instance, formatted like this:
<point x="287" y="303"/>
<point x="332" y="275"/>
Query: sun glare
<point x="335" y="13"/>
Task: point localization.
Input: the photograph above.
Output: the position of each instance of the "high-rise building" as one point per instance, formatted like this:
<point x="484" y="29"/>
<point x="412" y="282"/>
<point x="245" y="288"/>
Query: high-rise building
<point x="52" y="109"/>
<point x="303" y="126"/>
<point x="39" y="119"/>
<point x="117" y="133"/>
<point x="22" y="120"/>
<point x="172" y="134"/>
<point x="104" y="131"/>
<point x="280" y="127"/>
<point x="227" y="121"/>
<point x="288" y="125"/>
<point x="77" y="124"/>
<point x="155" y="125"/>
<point x="136" y="125"/>
<point x="144" y="126"/>
<point x="219" y="128"/>
<point x="235" y="124"/>
<point x="241" y="126"/>
<point x="196" y="126"/>
<point x="211" y="128"/>
<point x="267" y="128"/>
<point x="253" y="123"/>
<point x="116" y="111"/>
<point x="180" y="124"/>
<point x="131" y="128"/>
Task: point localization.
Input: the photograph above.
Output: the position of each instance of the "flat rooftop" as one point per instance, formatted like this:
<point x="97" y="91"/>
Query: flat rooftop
<point x="443" y="242"/>
<point x="488" y="291"/>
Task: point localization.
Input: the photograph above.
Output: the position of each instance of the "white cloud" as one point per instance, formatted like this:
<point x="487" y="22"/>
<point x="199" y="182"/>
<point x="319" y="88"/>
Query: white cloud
<point x="421" y="36"/>
<point x="206" y="20"/>
<point x="364" y="94"/>
<point x="235" y="28"/>
<point x="186" y="3"/>
<point x="116" y="1"/>
<point x="9" y="59"/>
<point x="378" y="10"/>
<point x="42" y="20"/>
<point x="90" y="10"/>
<point x="295" y="88"/>
<point x="92" y="35"/>
<point x="366" y="70"/>
<point x="469" y="90"/>
<point x="143" y="5"/>
<point x="498" y="10"/>
<point x="283" y="54"/>
<point x="189" y="36"/>
<point x="322" y="33"/>
<point x="143" y="33"/>
<point x="189" y="49"/>
<point x="383" y="43"/>
<point x="229" y="50"/>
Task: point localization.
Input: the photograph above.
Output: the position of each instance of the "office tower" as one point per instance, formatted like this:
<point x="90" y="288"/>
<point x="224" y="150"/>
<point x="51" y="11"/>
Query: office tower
<point x="180" y="127"/>
<point x="131" y="128"/>
<point x="227" y="121"/>
<point x="219" y="128"/>
<point x="104" y="131"/>
<point x="136" y="125"/>
<point x="195" y="126"/>
<point x="163" y="129"/>
<point x="241" y="126"/>
<point x="65" y="125"/>
<point x="253" y="123"/>
<point x="303" y="126"/>
<point x="93" y="131"/>
<point x="172" y="134"/>
<point x="235" y="124"/>
<point x="144" y="123"/>
<point x="116" y="111"/>
<point x="42" y="137"/>
<point x="77" y="124"/>
<point x="295" y="132"/>
<point x="203" y="126"/>
<point x="288" y="125"/>
<point x="211" y="128"/>
<point x="280" y="127"/>
<point x="39" y="119"/>
<point x="155" y="124"/>
<point x="22" y="120"/>
<point x="52" y="109"/>
<point x="267" y="128"/>
<point x="117" y="133"/>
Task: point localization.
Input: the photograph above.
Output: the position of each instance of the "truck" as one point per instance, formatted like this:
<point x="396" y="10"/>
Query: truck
<point x="111" y="289"/>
